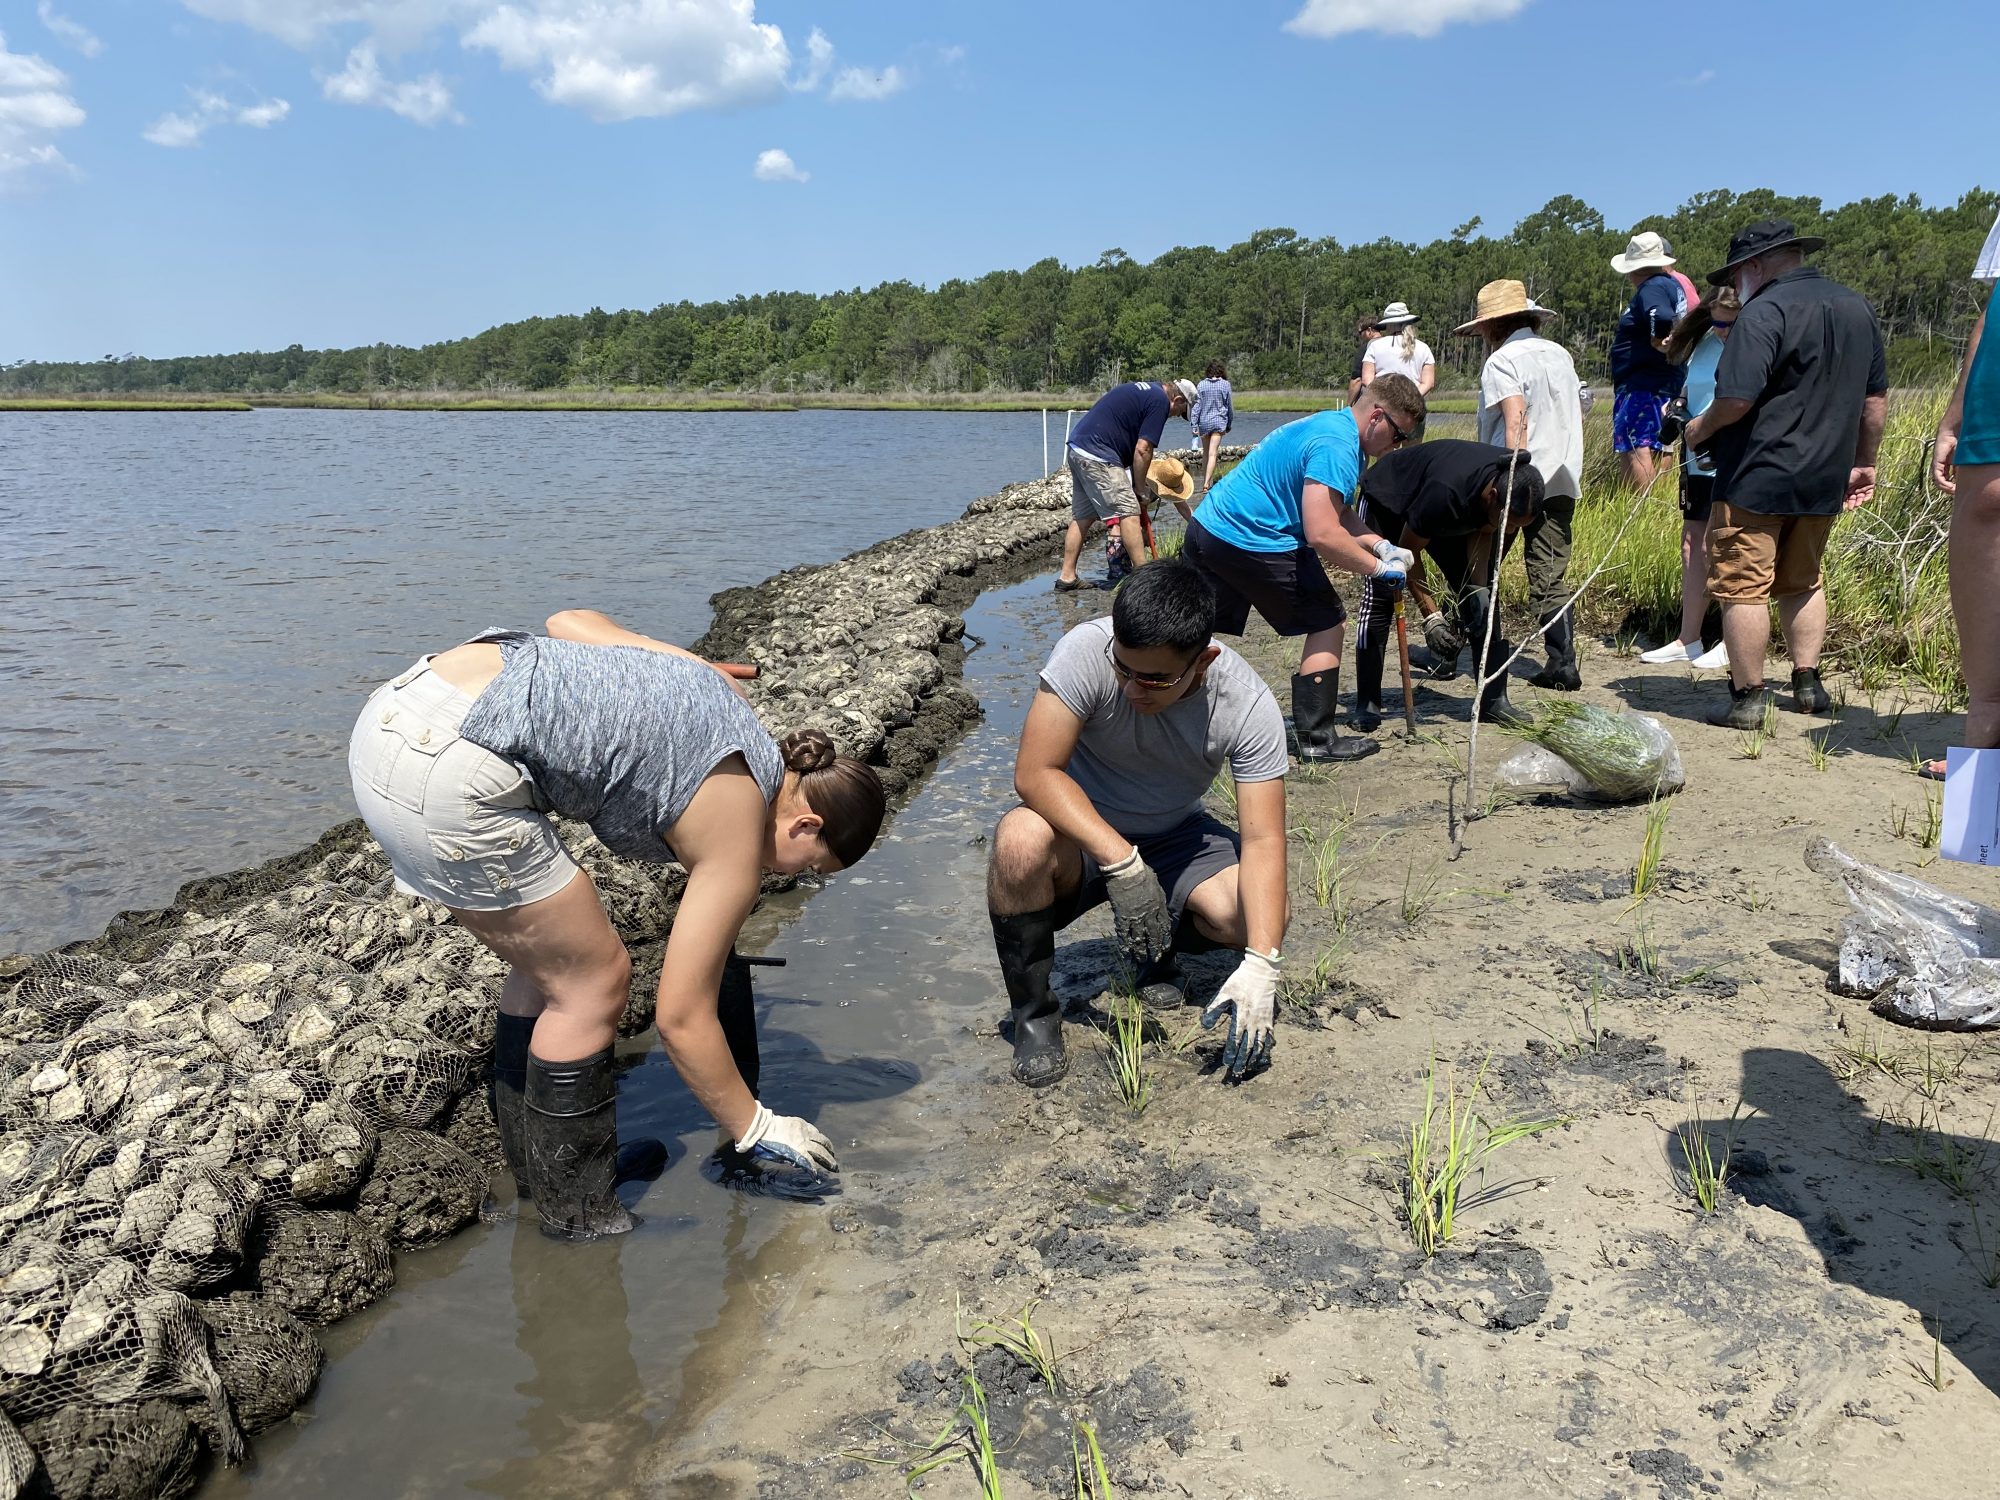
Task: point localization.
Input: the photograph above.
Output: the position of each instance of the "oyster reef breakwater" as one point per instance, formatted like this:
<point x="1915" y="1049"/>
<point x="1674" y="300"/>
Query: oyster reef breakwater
<point x="221" y="1122"/>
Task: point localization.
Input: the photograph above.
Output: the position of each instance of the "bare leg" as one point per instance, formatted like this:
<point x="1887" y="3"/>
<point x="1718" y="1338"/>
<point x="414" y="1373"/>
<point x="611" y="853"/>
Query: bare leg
<point x="1639" y="466"/>
<point x="1746" y="630"/>
<point x="1211" y="456"/>
<point x="1694" y="579"/>
<point x="564" y="952"/>
<point x="1134" y="539"/>
<point x="1217" y="908"/>
<point x="1803" y="619"/>
<point x="1032" y="864"/>
<point x="1072" y="549"/>
<point x="1322" y="651"/>
<point x="1975" y="550"/>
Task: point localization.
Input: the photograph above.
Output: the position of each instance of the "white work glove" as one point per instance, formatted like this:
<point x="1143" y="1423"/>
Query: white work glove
<point x="788" y="1139"/>
<point x="1390" y="572"/>
<point x="1389" y="552"/>
<point x="1250" y="999"/>
<point x="1138" y="908"/>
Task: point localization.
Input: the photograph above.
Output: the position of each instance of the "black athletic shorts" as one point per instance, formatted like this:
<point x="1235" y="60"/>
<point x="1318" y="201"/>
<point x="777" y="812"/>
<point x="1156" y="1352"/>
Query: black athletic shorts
<point x="1289" y="589"/>
<point x="1697" y="495"/>
<point x="1187" y="854"/>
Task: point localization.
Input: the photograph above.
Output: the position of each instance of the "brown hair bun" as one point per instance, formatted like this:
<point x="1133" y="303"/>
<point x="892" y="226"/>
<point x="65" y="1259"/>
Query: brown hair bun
<point x="807" y="750"/>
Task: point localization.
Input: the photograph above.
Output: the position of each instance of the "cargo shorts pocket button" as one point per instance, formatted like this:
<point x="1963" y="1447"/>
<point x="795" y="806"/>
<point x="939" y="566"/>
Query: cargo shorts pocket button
<point x="388" y="714"/>
<point x="505" y="882"/>
<point x="424" y="738"/>
<point x="457" y="851"/>
<point x="513" y="843"/>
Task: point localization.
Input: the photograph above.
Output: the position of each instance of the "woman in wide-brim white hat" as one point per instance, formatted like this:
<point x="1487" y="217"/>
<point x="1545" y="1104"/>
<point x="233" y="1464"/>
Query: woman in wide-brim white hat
<point x="1398" y="351"/>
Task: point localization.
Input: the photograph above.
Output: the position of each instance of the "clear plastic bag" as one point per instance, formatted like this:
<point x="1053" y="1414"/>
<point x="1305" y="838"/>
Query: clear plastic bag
<point x="1921" y="955"/>
<point x="1538" y="768"/>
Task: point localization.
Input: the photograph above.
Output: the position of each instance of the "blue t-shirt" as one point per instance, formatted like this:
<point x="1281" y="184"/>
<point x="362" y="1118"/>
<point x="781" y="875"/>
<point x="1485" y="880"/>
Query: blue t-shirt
<point x="1255" y="505"/>
<point x="1123" y="415"/>
<point x="1701" y="388"/>
<point x="1651" y="314"/>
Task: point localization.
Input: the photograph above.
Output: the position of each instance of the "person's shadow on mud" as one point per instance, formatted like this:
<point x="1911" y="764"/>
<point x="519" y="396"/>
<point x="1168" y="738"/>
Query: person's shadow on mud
<point x="1869" y="1195"/>
<point x="1884" y="731"/>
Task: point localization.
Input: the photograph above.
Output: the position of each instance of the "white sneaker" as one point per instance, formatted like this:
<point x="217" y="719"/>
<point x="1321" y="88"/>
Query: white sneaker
<point x="1674" y="653"/>
<point x="1715" y="658"/>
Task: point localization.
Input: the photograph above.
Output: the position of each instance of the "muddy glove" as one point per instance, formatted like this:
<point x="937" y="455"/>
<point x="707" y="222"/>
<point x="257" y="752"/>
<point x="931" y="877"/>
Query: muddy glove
<point x="1402" y="558"/>
<point x="1138" y="908"/>
<point x="1250" y="999"/>
<point x="788" y="1139"/>
<point x="1441" y="638"/>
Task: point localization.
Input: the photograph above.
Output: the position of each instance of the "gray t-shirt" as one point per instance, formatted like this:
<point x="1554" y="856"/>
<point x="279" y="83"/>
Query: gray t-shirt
<point x="618" y="736"/>
<point x="1144" y="773"/>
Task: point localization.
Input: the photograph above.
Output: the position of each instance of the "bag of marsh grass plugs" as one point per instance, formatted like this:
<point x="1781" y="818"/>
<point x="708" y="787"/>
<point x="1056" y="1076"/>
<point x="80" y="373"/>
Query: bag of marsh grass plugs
<point x="1587" y="751"/>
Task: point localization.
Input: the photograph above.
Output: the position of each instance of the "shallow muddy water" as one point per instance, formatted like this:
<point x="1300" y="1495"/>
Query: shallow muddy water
<point x="196" y="604"/>
<point x="505" y="1365"/>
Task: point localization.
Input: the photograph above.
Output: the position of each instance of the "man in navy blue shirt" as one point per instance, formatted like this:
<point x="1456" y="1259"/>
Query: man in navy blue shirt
<point x="1643" y="379"/>
<point x="1109" y="453"/>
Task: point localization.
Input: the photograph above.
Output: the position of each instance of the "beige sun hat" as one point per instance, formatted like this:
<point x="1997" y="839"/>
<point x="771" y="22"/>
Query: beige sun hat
<point x="1394" y="315"/>
<point x="1646" y="251"/>
<point x="1171" y="478"/>
<point x="1503" y="299"/>
<point x="1188" y="392"/>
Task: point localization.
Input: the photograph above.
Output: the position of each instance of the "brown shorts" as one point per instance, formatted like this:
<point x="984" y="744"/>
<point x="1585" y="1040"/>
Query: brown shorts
<point x="1754" y="558"/>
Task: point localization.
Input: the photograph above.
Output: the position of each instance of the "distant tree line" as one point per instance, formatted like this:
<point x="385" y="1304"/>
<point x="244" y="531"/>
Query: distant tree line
<point x="1279" y="308"/>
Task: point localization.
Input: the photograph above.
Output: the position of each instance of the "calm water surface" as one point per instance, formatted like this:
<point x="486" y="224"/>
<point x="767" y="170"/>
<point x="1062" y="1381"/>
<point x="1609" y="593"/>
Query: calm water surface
<point x="195" y="605"/>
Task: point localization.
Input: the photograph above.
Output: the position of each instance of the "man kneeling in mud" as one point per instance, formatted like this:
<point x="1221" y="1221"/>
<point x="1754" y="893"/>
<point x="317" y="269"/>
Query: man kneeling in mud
<point x="1133" y="719"/>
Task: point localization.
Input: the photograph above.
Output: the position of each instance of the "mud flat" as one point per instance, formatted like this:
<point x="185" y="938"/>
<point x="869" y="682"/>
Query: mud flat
<point x="1234" y="1304"/>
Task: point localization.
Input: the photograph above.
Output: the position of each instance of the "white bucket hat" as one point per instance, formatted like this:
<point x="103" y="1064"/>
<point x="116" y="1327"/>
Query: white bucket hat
<point x="1648" y="251"/>
<point x="1187" y="391"/>
<point x="1394" y="314"/>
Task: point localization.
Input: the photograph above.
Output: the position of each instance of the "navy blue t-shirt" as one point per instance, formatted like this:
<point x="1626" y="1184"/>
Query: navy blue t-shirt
<point x="1635" y="364"/>
<point x="1123" y="415"/>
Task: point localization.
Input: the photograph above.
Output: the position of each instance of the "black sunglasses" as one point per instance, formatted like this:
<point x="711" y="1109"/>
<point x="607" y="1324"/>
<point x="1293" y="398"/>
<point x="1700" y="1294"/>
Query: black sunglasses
<point x="1402" y="436"/>
<point x="1156" y="684"/>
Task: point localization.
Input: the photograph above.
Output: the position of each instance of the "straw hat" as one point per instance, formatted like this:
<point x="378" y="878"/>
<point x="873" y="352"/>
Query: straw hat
<point x="1503" y="299"/>
<point x="1648" y="251"/>
<point x="1171" y="478"/>
<point x="1395" y="315"/>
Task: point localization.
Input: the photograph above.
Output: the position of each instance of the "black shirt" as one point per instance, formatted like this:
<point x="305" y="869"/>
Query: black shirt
<point x="1436" y="489"/>
<point x="1805" y="352"/>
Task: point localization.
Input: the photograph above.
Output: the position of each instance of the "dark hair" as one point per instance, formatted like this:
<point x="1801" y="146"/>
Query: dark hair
<point x="1509" y="324"/>
<point x="1400" y="394"/>
<point x="1528" y="489"/>
<point x="1164" y="603"/>
<point x="846" y="794"/>
<point x="1365" y="327"/>
<point x="1695" y="322"/>
<point x="1216" y="371"/>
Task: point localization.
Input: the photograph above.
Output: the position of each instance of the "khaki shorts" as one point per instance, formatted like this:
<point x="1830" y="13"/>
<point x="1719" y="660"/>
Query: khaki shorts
<point x="1754" y="558"/>
<point x="460" y="824"/>
<point x="1100" y="491"/>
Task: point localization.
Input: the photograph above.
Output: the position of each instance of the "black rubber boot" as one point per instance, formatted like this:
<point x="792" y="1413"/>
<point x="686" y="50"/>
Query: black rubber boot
<point x="1745" y="709"/>
<point x="1315" y="706"/>
<point x="1162" y="985"/>
<point x="638" y="1161"/>
<point x="570" y="1147"/>
<point x="1026" y="944"/>
<point x="1494" y="705"/>
<point x="1559" y="669"/>
<point x="1809" y="695"/>
<point x="1368" y="660"/>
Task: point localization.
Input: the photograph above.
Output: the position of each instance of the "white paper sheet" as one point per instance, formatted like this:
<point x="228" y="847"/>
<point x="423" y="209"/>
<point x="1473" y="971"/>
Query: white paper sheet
<point x="1971" y="832"/>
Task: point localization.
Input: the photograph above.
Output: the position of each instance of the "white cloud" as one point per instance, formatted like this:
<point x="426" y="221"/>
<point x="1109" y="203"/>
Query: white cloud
<point x="394" y="25"/>
<point x="74" y="33"/>
<point x="819" y="53"/>
<point x="1421" y="18"/>
<point x="210" y="110"/>
<point x="864" y="85"/>
<point x="426" y="100"/>
<point x="629" y="59"/>
<point x="777" y="166"/>
<point x="34" y="105"/>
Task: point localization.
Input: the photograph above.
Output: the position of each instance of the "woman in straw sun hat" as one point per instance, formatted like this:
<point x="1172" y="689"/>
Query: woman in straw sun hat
<point x="1398" y="351"/>
<point x="1530" y="398"/>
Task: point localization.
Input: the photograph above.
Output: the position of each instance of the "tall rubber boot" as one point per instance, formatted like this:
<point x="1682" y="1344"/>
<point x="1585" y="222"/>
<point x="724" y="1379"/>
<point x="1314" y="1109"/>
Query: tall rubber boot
<point x="1494" y="707"/>
<point x="638" y="1161"/>
<point x="1315" y="706"/>
<point x="570" y="1147"/>
<point x="1026" y="944"/>
<point x="1559" y="670"/>
<point x="1368" y="662"/>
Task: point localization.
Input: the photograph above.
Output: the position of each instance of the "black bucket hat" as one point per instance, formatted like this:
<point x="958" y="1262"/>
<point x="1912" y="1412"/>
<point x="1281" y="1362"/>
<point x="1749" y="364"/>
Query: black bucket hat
<point x="1761" y="238"/>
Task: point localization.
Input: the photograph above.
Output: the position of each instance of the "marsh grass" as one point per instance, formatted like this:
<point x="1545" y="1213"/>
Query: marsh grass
<point x="1223" y="790"/>
<point x="1324" y="849"/>
<point x="1016" y="1335"/>
<point x="1125" y="1053"/>
<point x="1934" y="1376"/>
<point x="1706" y="1163"/>
<point x="1652" y="848"/>
<point x="1586" y="1032"/>
<point x="1302" y="992"/>
<point x="1937" y="1155"/>
<point x="1448" y="1142"/>
<point x="1819" y="749"/>
<point x="1640" y="954"/>
<point x="1092" y="1482"/>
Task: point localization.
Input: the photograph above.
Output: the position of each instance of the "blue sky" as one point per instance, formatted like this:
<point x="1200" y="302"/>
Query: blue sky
<point x="191" y="176"/>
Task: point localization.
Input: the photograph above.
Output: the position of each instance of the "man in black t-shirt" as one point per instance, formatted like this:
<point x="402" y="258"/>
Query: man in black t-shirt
<point x="1800" y="399"/>
<point x="1365" y="333"/>
<point x="1446" y="498"/>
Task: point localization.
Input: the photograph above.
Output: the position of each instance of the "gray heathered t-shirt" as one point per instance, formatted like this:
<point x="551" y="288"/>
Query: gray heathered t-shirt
<point x="618" y="736"/>
<point x="1146" y="772"/>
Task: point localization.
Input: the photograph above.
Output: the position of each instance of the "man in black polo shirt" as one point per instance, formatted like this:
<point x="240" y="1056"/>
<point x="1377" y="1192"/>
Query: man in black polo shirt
<point x="1448" y="499"/>
<point x="1800" y="398"/>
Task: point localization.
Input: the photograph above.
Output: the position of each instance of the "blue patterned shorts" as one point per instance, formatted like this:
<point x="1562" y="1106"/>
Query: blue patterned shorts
<point x="1635" y="420"/>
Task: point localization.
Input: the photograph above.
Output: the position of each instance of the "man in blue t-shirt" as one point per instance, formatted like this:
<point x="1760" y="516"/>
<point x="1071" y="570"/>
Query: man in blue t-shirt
<point x="1261" y="533"/>
<point x="1643" y="379"/>
<point x="1110" y="451"/>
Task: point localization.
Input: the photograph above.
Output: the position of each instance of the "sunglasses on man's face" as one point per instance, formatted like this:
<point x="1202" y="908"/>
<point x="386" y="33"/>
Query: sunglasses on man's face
<point x="1402" y="436"/>
<point x="1146" y="679"/>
